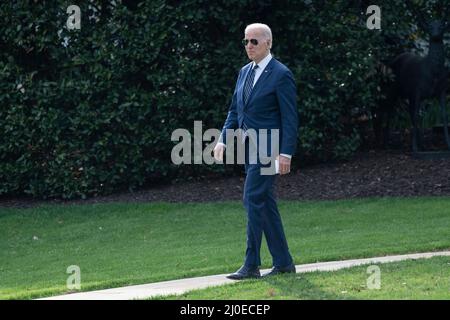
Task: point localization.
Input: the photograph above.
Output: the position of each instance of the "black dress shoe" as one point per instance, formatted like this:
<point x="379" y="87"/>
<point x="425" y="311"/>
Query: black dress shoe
<point x="245" y="273"/>
<point x="279" y="270"/>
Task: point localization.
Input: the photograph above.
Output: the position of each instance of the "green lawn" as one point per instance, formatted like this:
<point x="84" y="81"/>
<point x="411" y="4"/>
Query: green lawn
<point x="123" y="244"/>
<point x="413" y="279"/>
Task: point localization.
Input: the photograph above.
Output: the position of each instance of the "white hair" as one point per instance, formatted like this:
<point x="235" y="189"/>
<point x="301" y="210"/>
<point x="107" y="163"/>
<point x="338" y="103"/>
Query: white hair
<point x="267" y="33"/>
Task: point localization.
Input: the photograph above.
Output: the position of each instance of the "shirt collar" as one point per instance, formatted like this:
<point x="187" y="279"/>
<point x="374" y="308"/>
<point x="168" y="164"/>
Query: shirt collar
<point x="264" y="62"/>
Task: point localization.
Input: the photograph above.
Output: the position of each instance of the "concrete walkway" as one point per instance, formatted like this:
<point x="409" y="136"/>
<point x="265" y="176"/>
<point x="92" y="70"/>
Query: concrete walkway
<point x="182" y="285"/>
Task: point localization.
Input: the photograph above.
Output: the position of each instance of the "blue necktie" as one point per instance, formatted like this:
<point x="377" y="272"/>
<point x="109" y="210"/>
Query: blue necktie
<point x="249" y="83"/>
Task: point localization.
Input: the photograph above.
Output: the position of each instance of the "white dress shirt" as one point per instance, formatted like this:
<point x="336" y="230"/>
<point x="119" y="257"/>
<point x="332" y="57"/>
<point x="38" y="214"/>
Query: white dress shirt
<point x="261" y="66"/>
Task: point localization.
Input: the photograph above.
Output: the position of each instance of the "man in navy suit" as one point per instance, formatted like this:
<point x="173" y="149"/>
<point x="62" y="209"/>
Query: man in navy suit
<point x="264" y="98"/>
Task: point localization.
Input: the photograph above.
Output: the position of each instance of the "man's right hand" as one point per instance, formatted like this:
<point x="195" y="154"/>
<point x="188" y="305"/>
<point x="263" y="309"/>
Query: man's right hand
<point x="218" y="151"/>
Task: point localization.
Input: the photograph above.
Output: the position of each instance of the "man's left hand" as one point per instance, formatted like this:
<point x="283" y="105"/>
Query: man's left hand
<point x="285" y="164"/>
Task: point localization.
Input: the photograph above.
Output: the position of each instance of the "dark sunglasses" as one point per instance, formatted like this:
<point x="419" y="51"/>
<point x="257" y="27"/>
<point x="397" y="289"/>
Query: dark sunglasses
<point x="252" y="41"/>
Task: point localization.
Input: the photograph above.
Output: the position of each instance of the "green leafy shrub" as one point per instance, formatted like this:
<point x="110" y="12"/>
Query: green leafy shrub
<point x="91" y="111"/>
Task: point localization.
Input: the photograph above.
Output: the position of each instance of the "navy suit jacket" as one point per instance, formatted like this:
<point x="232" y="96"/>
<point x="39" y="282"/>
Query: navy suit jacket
<point x="272" y="105"/>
